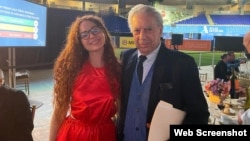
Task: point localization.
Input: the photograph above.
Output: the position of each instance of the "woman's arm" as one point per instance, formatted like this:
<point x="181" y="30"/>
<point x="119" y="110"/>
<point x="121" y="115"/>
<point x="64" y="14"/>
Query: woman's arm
<point x="55" y="123"/>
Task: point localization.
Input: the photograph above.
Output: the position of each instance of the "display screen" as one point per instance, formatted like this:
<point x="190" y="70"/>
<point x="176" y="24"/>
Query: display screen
<point x="224" y="43"/>
<point x="22" y="24"/>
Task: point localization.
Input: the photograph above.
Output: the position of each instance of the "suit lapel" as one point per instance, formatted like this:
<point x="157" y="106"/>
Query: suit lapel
<point x="128" y="75"/>
<point x="131" y="65"/>
<point x="162" y="64"/>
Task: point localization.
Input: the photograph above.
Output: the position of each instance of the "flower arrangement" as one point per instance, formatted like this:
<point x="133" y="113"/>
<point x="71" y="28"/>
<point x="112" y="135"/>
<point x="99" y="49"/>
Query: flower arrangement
<point x="217" y="87"/>
<point x="217" y="90"/>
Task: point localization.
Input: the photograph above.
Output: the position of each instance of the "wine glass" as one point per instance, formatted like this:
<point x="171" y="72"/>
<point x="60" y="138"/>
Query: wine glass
<point x="223" y="93"/>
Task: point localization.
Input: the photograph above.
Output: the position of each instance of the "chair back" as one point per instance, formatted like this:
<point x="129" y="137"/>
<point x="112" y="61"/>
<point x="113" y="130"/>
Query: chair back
<point x="203" y="77"/>
<point x="33" y="111"/>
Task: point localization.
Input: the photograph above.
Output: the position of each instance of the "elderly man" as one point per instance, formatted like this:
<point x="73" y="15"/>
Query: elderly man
<point x="246" y="41"/>
<point x="161" y="77"/>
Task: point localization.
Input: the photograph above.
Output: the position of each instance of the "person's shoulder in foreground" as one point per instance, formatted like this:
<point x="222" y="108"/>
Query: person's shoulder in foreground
<point x="16" y="123"/>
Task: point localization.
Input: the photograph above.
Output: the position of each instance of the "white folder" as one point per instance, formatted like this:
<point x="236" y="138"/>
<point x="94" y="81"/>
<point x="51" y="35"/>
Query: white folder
<point x="164" y="116"/>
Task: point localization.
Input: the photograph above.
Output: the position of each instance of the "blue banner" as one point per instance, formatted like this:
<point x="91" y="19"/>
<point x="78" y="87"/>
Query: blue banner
<point x="207" y="31"/>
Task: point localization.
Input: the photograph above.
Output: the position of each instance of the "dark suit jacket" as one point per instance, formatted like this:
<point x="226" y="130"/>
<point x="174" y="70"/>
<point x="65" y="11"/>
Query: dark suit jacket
<point x="175" y="80"/>
<point x="221" y="71"/>
<point x="16" y="122"/>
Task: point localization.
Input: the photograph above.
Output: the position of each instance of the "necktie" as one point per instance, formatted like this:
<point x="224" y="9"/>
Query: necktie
<point x="140" y="67"/>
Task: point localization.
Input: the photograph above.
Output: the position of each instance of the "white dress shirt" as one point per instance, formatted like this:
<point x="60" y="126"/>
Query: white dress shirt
<point x="149" y="61"/>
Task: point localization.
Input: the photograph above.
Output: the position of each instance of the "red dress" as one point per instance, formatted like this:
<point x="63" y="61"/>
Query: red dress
<point x="92" y="106"/>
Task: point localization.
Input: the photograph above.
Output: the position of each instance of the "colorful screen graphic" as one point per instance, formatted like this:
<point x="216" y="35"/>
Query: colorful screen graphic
<point x="22" y="24"/>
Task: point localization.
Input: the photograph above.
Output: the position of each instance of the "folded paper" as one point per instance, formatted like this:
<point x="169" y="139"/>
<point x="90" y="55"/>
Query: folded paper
<point x="164" y="116"/>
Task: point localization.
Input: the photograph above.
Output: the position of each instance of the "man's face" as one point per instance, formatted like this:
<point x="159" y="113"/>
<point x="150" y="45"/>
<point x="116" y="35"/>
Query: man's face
<point x="146" y="32"/>
<point x="231" y="57"/>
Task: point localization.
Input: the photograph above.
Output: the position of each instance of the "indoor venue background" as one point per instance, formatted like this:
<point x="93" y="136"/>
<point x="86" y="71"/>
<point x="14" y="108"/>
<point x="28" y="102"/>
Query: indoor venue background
<point x="206" y="20"/>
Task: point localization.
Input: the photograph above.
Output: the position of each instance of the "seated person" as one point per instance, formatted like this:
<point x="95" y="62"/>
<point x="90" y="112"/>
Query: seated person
<point x="234" y="63"/>
<point x="220" y="70"/>
<point x="16" y="122"/>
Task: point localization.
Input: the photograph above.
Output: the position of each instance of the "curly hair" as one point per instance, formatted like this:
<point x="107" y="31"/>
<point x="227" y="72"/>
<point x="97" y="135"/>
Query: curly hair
<point x="71" y="59"/>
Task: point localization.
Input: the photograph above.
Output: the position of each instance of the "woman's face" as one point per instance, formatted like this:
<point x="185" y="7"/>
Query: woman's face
<point x="92" y="37"/>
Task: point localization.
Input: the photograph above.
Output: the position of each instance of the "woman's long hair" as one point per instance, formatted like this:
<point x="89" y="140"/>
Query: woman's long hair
<point x="71" y="59"/>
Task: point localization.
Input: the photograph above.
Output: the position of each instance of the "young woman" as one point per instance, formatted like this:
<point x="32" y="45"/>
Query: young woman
<point x="87" y="88"/>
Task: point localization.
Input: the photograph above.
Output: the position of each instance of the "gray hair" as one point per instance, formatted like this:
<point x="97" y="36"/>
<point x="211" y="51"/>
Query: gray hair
<point x="141" y="8"/>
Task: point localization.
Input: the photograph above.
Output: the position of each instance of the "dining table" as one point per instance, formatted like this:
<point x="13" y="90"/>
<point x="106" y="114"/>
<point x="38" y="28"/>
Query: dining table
<point x="219" y="115"/>
<point x="36" y="103"/>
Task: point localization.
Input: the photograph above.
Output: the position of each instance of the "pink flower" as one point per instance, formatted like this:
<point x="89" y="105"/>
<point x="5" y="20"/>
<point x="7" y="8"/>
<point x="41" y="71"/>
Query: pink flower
<point x="218" y="87"/>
